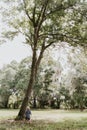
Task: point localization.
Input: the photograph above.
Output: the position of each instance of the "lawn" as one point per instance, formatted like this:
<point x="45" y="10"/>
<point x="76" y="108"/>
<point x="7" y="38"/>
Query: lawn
<point x="45" y="120"/>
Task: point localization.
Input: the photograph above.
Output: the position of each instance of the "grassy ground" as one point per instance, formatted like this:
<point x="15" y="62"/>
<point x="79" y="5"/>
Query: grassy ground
<point x="45" y="120"/>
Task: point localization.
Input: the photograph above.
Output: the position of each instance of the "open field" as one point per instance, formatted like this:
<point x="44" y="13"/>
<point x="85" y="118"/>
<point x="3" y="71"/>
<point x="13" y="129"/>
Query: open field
<point x="45" y="120"/>
<point x="47" y="115"/>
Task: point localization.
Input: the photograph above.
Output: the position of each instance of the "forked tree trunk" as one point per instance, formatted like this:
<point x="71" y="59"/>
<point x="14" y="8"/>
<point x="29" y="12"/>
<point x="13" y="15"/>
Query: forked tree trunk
<point x="34" y="69"/>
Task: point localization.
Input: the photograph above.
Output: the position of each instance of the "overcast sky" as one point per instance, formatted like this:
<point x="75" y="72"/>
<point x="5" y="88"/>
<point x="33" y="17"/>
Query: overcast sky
<point x="12" y="50"/>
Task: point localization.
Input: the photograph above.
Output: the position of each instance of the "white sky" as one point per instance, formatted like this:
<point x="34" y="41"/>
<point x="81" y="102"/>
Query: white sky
<point x="12" y="50"/>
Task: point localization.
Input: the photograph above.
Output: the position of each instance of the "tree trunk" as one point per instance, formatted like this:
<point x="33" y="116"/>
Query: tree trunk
<point x="34" y="69"/>
<point x="21" y="113"/>
<point x="58" y="103"/>
<point x="26" y="100"/>
<point x="34" y="102"/>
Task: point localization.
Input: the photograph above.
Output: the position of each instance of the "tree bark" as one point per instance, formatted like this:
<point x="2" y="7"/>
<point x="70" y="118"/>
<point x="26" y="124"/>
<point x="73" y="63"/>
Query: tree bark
<point x="34" y="102"/>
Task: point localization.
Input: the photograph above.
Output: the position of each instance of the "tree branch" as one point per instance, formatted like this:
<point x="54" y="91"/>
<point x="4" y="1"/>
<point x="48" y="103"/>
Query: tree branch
<point x="55" y="10"/>
<point x="26" y="11"/>
<point x="59" y="8"/>
<point x="50" y="44"/>
<point x="42" y="14"/>
<point x="39" y="15"/>
<point x="40" y="55"/>
<point x="48" y="34"/>
<point x="34" y="15"/>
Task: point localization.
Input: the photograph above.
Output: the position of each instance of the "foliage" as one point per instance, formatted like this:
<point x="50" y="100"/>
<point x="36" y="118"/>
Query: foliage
<point x="50" y="87"/>
<point x="56" y="21"/>
<point x="6" y="81"/>
<point x="22" y="75"/>
<point x="79" y="93"/>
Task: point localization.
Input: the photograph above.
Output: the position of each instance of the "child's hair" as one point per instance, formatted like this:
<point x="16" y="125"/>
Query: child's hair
<point x="28" y="108"/>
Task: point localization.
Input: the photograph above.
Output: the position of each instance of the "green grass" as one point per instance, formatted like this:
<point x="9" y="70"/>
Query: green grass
<point x="41" y="125"/>
<point x="63" y="123"/>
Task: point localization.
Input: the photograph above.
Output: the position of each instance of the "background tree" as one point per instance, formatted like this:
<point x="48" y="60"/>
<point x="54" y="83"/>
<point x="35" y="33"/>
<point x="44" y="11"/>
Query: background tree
<point x="45" y="95"/>
<point x="55" y="90"/>
<point x="22" y="76"/>
<point x="79" y="93"/>
<point x="7" y="75"/>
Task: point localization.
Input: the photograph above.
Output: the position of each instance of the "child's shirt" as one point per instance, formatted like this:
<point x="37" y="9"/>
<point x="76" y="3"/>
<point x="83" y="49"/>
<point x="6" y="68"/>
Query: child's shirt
<point x="28" y="113"/>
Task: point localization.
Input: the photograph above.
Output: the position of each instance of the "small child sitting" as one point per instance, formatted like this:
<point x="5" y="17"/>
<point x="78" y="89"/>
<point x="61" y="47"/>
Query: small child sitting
<point x="27" y="114"/>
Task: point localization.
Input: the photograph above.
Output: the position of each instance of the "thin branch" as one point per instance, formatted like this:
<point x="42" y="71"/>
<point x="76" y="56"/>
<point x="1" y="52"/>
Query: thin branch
<point x="39" y="15"/>
<point x="61" y="36"/>
<point x="34" y="10"/>
<point x="26" y="11"/>
<point x="42" y="14"/>
<point x="40" y="55"/>
<point x="29" y="40"/>
<point x="40" y="21"/>
<point x="48" y="34"/>
<point x="58" y="8"/>
<point x="49" y="44"/>
<point x="42" y="50"/>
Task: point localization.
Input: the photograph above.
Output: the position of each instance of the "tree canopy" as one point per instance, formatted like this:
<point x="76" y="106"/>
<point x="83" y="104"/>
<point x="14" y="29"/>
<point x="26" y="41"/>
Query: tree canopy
<point x="50" y="21"/>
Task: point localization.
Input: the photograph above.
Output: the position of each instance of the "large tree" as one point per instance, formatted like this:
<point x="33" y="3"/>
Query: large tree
<point x="44" y="23"/>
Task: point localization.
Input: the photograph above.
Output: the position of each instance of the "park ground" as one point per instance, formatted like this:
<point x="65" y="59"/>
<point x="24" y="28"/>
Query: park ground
<point x="45" y="120"/>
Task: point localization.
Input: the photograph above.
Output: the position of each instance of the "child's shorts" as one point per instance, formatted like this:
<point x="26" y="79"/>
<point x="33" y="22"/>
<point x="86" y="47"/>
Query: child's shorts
<point x="27" y="118"/>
